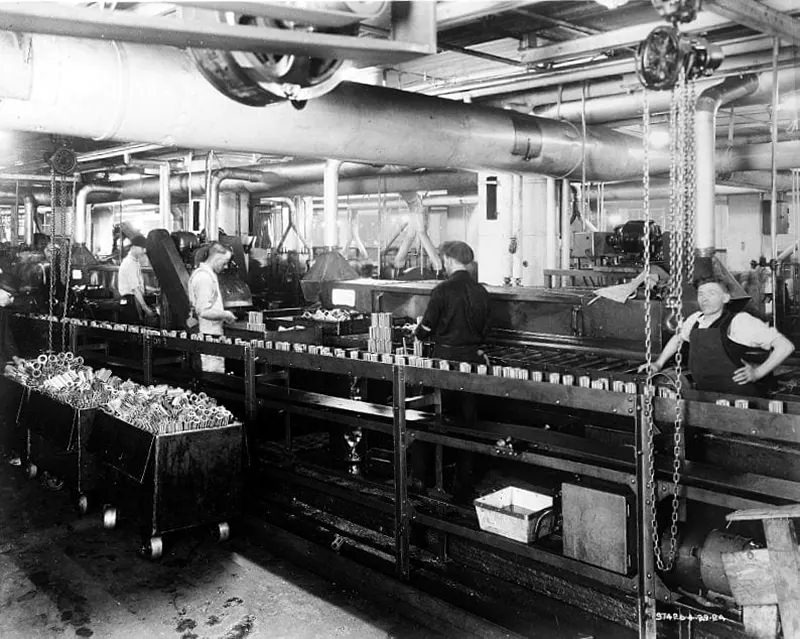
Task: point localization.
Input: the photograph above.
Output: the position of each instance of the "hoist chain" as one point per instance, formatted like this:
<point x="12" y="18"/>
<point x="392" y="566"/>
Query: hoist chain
<point x="677" y="223"/>
<point x="690" y="197"/>
<point x="68" y="270"/>
<point x="52" y="259"/>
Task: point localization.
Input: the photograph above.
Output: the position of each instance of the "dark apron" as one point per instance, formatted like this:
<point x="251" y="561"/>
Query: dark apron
<point x="129" y="310"/>
<point x="710" y="364"/>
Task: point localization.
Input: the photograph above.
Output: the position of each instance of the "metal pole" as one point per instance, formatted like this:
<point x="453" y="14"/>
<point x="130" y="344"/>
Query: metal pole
<point x="402" y="515"/>
<point x="773" y="208"/>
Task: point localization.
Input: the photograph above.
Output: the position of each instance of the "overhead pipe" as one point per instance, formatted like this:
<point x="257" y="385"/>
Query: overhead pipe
<point x="416" y="229"/>
<point x="611" y="108"/>
<point x="334" y="125"/>
<point x="708" y="103"/>
<point x="331" y="195"/>
<point x="217" y="178"/>
<point x="164" y="192"/>
<point x="30" y="205"/>
<point x="82" y="212"/>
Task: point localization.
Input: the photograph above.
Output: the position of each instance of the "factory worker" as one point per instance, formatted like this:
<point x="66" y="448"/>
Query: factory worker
<point x="130" y="284"/>
<point x="206" y="298"/>
<point x="457" y="315"/>
<point x="722" y="345"/>
<point x="456" y="319"/>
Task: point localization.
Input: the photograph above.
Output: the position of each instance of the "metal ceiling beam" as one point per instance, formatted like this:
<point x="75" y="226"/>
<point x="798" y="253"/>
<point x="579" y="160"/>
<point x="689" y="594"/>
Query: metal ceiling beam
<point x="444" y="46"/>
<point x="758" y="16"/>
<point x="610" y="40"/>
<point x="90" y="23"/>
<point x="455" y="14"/>
<point x="556" y="22"/>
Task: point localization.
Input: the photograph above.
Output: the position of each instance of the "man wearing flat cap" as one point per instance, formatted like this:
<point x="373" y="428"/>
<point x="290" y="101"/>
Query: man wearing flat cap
<point x="130" y="284"/>
<point x="456" y="319"/>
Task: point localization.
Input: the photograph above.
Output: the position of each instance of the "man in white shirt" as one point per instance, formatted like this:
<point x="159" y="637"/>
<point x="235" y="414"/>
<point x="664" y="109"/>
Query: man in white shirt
<point x="130" y="284"/>
<point x="721" y="345"/>
<point x="206" y="298"/>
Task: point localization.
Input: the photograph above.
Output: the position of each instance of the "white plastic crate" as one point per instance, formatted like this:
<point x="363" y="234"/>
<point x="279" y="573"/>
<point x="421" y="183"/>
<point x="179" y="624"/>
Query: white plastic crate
<point x="515" y="513"/>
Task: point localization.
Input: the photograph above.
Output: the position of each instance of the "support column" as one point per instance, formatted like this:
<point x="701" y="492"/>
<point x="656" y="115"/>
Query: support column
<point x="551" y="226"/>
<point x="331" y="202"/>
<point x="494" y="227"/>
<point x="515" y="242"/>
<point x="566" y="231"/>
<point x="533" y="244"/>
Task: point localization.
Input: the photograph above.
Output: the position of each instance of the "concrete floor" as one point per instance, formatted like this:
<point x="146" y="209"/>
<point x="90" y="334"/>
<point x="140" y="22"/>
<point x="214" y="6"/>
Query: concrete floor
<point x="62" y="575"/>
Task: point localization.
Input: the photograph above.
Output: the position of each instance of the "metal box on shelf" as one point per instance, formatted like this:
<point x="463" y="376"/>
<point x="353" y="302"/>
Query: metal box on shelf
<point x="592" y="244"/>
<point x="515" y="513"/>
<point x="596" y="527"/>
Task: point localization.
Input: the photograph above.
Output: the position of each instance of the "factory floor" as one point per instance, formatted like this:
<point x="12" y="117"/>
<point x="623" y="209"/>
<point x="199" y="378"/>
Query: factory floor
<point x="62" y="575"/>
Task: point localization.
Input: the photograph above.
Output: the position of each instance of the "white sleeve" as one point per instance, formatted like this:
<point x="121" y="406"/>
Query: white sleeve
<point x="126" y="278"/>
<point x="751" y="331"/>
<point x="688" y="325"/>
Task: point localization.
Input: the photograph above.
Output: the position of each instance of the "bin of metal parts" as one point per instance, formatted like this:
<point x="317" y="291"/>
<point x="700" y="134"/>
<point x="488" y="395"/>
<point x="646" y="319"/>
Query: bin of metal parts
<point x="56" y="418"/>
<point x="56" y="435"/>
<point x="168" y="473"/>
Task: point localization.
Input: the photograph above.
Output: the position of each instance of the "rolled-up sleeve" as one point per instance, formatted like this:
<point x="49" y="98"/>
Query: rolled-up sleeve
<point x="203" y="293"/>
<point x="751" y="331"/>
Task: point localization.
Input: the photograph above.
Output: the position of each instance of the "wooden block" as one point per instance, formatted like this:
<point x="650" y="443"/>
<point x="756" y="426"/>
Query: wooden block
<point x="750" y="577"/>
<point x="760" y="622"/>
<point x="784" y="560"/>
<point x="791" y="511"/>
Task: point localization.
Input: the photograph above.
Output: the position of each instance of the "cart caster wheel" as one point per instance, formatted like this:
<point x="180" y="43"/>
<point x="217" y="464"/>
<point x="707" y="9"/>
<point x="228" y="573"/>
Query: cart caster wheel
<point x="110" y="518"/>
<point x="153" y="548"/>
<point x="33" y="470"/>
<point x="223" y="531"/>
<point x="83" y="504"/>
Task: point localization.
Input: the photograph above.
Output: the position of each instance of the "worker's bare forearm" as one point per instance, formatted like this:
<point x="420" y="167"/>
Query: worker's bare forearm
<point x="781" y="349"/>
<point x="669" y="351"/>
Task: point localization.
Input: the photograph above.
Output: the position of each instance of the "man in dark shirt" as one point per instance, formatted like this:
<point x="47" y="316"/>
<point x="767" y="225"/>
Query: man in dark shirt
<point x="457" y="319"/>
<point x="458" y="311"/>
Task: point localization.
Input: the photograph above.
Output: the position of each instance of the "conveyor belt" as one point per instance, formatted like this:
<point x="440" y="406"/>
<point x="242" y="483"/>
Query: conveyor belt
<point x="559" y="359"/>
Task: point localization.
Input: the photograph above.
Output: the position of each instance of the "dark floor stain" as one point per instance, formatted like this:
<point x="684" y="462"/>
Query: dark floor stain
<point x="233" y="601"/>
<point x="189" y="635"/>
<point x="84" y="632"/>
<point x="213" y="620"/>
<point x="241" y="629"/>
<point x="66" y="615"/>
<point x="28" y="595"/>
<point x="185" y="624"/>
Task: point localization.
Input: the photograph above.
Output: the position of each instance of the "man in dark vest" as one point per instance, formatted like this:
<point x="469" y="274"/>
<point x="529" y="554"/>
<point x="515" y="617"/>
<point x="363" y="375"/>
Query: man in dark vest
<point x="725" y="348"/>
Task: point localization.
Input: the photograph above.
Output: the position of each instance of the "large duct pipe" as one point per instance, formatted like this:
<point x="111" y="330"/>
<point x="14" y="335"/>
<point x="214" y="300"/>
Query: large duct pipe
<point x="708" y="103"/>
<point x="331" y="195"/>
<point x="29" y="202"/>
<point x="145" y="93"/>
<point x="82" y="212"/>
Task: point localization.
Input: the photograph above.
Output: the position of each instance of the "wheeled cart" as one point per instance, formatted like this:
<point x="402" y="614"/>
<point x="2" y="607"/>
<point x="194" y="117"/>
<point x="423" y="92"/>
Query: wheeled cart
<point x="56" y="437"/>
<point x="169" y="482"/>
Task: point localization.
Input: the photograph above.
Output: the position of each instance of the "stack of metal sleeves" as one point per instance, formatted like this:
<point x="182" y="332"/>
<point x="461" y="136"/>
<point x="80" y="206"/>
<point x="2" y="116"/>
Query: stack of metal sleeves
<point x="162" y="409"/>
<point x="157" y="409"/>
<point x="64" y="377"/>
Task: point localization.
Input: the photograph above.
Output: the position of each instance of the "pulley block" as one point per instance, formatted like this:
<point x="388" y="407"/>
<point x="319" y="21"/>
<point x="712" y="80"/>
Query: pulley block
<point x="665" y="51"/>
<point x="63" y="160"/>
<point x="264" y="77"/>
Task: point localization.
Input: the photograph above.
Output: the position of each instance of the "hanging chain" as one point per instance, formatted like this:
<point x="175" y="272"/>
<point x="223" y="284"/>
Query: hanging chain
<point x="691" y="178"/>
<point x="52" y="258"/>
<point x="68" y="248"/>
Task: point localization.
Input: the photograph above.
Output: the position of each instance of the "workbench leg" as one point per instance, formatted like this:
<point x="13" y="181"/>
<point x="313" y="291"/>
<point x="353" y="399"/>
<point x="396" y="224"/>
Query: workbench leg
<point x="147" y="359"/>
<point x="402" y="514"/>
<point x="437" y="394"/>
<point x="644" y="547"/>
<point x="784" y="558"/>
<point x="287" y="418"/>
<point x="250" y="400"/>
